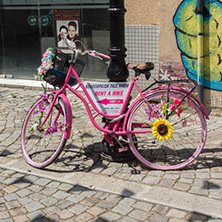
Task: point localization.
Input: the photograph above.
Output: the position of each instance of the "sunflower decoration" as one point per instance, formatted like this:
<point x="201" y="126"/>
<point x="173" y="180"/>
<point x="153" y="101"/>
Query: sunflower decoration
<point x="162" y="129"/>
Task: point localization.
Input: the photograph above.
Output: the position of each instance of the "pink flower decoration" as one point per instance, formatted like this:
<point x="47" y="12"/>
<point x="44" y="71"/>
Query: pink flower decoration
<point x="171" y="107"/>
<point x="177" y="102"/>
<point x="179" y="111"/>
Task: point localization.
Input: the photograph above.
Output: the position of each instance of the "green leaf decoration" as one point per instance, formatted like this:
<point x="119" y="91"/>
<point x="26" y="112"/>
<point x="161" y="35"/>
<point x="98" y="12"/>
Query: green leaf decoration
<point x="149" y="125"/>
<point x="165" y="108"/>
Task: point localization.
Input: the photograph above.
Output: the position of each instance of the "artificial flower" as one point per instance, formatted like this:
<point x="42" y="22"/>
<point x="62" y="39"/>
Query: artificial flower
<point x="162" y="129"/>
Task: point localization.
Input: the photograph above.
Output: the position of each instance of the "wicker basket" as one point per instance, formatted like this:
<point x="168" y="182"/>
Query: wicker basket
<point x="61" y="62"/>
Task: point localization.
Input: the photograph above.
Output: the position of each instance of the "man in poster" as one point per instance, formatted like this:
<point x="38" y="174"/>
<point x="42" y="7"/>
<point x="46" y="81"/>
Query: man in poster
<point x="72" y="36"/>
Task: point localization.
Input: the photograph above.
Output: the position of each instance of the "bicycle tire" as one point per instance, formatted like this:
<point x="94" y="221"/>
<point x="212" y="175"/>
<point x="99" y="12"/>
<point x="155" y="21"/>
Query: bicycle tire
<point x="186" y="142"/>
<point x="39" y="150"/>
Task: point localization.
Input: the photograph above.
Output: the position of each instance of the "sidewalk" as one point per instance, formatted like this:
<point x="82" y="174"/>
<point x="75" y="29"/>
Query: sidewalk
<point x="82" y="187"/>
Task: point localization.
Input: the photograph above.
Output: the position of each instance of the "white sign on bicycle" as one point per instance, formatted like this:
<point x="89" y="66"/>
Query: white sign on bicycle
<point x="108" y="96"/>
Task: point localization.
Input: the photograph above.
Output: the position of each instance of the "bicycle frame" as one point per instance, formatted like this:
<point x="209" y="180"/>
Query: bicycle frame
<point x="115" y="118"/>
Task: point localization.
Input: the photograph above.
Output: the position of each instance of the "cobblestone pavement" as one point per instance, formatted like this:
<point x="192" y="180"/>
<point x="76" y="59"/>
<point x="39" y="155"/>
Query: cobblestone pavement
<point x="28" y="194"/>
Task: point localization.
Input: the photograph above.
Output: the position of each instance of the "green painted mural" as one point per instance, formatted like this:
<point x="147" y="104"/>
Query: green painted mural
<point x="185" y="21"/>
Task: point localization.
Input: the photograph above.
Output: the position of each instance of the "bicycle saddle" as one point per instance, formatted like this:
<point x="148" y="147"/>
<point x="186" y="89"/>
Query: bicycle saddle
<point x="144" y="68"/>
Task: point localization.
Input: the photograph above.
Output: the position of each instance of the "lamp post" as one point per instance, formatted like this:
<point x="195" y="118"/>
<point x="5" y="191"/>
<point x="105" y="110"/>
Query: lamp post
<point x="117" y="70"/>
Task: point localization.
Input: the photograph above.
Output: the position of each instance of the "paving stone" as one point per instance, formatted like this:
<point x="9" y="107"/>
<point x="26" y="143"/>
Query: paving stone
<point x="182" y="186"/>
<point x="35" y="215"/>
<point x="78" y="209"/>
<point x="95" y="211"/>
<point x="75" y="198"/>
<point x="216" y="175"/>
<point x="139" y="215"/>
<point x="89" y="201"/>
<point x="35" y="188"/>
<point x="167" y="183"/>
<point x="41" y="181"/>
<point x="64" y="204"/>
<point x="88" y="193"/>
<point x="10" y="197"/>
<point x="49" y="201"/>
<point x="160" y="209"/>
<point x="12" y="204"/>
<point x="158" y="217"/>
<point x="108" y="215"/>
<point x="84" y="217"/>
<point x="105" y="204"/>
<point x="52" y="210"/>
<point x="6" y="220"/>
<point x="65" y="214"/>
<point x="23" y="192"/>
<point x="198" y="190"/>
<point x="48" y="191"/>
<point x="61" y="194"/>
<point x="53" y="184"/>
<point x="126" y="219"/>
<point x="137" y="177"/>
<point x="143" y="205"/>
<point x="124" y="206"/>
<point x="101" y="195"/>
<point x="185" y="180"/>
<point x="151" y="180"/>
<point x="20" y="218"/>
<point x="4" y="215"/>
<point x="33" y="206"/>
<point x="176" y="213"/>
<point x="18" y="211"/>
<point x="65" y="187"/>
<point x="203" y="175"/>
<point x="37" y="196"/>
<point x="25" y="200"/>
<point x="171" y="176"/>
<point x="188" y="175"/>
<point x="11" y="189"/>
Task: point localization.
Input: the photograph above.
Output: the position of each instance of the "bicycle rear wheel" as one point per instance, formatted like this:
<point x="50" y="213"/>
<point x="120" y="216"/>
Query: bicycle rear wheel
<point x="41" y="147"/>
<point x="163" y="146"/>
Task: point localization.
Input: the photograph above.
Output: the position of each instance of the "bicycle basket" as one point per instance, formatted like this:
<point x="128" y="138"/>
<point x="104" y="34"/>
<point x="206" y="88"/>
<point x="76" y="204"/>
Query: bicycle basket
<point x="61" y="62"/>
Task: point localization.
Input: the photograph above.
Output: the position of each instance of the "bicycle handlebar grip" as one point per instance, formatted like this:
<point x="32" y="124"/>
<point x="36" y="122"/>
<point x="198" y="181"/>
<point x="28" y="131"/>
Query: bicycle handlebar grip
<point x="104" y="56"/>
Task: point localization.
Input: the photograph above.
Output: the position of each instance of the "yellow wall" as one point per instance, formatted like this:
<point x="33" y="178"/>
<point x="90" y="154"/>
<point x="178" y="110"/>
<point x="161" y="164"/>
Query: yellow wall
<point x="142" y="12"/>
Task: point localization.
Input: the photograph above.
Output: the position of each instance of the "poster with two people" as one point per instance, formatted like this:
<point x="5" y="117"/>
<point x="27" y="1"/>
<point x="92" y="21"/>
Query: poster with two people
<point x="67" y="29"/>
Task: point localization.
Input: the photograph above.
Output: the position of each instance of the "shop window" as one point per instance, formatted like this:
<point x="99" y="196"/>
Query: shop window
<point x="25" y="34"/>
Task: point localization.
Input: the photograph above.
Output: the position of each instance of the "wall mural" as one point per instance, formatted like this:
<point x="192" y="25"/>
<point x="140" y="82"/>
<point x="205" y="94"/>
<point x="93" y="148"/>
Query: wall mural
<point x="185" y="21"/>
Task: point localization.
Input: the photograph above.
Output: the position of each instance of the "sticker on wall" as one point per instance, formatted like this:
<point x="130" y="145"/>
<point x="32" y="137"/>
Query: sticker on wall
<point x="185" y="21"/>
<point x="45" y="20"/>
<point x="32" y="20"/>
<point x="108" y="97"/>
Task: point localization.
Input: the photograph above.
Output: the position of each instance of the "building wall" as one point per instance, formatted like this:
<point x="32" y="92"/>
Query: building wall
<point x="160" y="14"/>
<point x="142" y="12"/>
<point x="142" y="35"/>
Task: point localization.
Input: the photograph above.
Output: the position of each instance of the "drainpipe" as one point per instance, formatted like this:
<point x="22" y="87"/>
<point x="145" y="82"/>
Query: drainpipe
<point x="200" y="53"/>
<point x="117" y="70"/>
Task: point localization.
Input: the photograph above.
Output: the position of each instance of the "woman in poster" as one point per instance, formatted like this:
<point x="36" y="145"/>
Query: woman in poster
<point x="63" y="33"/>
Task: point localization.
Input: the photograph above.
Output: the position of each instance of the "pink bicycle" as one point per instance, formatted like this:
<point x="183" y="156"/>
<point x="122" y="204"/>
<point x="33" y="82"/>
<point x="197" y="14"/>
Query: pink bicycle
<point x="165" y="127"/>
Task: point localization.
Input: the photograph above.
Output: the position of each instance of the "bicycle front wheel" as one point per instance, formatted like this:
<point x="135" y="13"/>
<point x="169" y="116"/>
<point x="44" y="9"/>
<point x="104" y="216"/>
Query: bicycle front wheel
<point x="167" y="143"/>
<point x="41" y="147"/>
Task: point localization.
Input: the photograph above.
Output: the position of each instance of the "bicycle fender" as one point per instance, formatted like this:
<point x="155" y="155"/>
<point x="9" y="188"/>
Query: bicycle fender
<point x="179" y="90"/>
<point x="67" y="132"/>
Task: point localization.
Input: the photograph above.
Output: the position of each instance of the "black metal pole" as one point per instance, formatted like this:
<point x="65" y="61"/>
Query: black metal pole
<point x="117" y="70"/>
